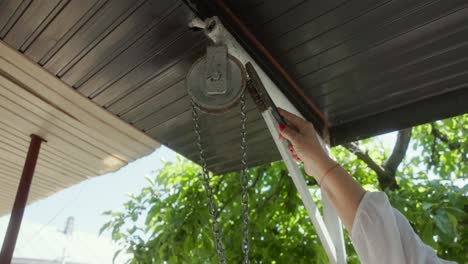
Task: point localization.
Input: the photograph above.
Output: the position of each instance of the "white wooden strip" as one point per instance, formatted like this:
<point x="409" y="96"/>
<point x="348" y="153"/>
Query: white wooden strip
<point x="38" y="188"/>
<point x="16" y="161"/>
<point x="34" y="104"/>
<point x="54" y="166"/>
<point x="33" y="115"/>
<point x="10" y="180"/>
<point x="21" y="142"/>
<point x="42" y="185"/>
<point x="83" y="138"/>
<point x="302" y="188"/>
<point x="8" y="143"/>
<point x="40" y="176"/>
<point x="7" y="203"/>
<point x="103" y="166"/>
<point x="9" y="198"/>
<point x="22" y="138"/>
<point x="60" y="177"/>
<point x="42" y="82"/>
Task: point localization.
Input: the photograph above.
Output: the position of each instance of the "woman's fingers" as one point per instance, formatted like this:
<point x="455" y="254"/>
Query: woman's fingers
<point x="281" y="138"/>
<point x="288" y="133"/>
<point x="292" y="119"/>
<point x="293" y="153"/>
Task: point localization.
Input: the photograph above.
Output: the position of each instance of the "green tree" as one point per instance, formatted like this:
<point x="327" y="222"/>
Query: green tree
<point x="168" y="220"/>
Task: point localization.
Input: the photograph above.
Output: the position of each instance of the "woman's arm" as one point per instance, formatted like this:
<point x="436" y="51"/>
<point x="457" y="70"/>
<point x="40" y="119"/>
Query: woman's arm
<point x="379" y="232"/>
<point x="343" y="191"/>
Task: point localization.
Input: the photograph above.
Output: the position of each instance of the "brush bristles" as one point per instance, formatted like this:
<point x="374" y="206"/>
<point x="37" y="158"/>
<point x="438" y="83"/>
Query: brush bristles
<point x="258" y="100"/>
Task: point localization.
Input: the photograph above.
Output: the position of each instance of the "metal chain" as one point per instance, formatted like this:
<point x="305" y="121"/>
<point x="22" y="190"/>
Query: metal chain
<point x="212" y="208"/>
<point x="244" y="183"/>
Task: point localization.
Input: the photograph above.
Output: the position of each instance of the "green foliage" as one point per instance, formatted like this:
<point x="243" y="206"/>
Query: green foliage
<point x="176" y="225"/>
<point x="168" y="220"/>
<point x="435" y="207"/>
<point x="437" y="212"/>
<point x="443" y="148"/>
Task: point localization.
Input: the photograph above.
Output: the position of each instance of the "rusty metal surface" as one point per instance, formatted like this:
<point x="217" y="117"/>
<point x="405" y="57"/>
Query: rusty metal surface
<point x="11" y="235"/>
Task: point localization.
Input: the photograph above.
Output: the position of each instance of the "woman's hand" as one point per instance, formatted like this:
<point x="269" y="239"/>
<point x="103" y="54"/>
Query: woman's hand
<point x="344" y="193"/>
<point x="304" y="145"/>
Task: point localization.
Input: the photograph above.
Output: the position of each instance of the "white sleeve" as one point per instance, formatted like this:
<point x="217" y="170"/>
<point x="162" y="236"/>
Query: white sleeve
<point x="381" y="234"/>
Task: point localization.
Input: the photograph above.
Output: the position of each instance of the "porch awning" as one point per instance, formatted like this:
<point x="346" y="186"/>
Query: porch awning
<point x="83" y="139"/>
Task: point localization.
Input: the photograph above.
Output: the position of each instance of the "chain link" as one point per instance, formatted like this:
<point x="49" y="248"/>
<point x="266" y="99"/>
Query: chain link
<point x="212" y="208"/>
<point x="244" y="183"/>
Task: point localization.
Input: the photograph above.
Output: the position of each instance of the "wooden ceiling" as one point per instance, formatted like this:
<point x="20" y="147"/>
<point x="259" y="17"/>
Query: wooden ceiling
<point x="371" y="66"/>
<point x="83" y="140"/>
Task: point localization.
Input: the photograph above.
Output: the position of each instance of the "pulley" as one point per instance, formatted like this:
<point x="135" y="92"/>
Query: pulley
<point x="215" y="82"/>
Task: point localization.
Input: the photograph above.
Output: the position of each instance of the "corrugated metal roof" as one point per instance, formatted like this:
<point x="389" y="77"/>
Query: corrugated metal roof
<point x="83" y="140"/>
<point x="362" y="62"/>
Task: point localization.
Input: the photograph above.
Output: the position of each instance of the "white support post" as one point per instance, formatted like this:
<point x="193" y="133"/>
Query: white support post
<point x="330" y="231"/>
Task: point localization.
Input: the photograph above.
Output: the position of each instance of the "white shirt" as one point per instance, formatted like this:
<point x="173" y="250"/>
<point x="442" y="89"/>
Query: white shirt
<point x="381" y="234"/>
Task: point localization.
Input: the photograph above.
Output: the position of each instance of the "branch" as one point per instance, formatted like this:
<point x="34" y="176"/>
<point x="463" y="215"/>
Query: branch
<point x="383" y="177"/>
<point x="399" y="151"/>
<point x="386" y="172"/>
<point x="354" y="148"/>
<point x="438" y="134"/>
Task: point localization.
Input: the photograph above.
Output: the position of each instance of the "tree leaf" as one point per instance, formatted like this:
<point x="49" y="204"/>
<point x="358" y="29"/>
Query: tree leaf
<point x="115" y="255"/>
<point x="444" y="224"/>
<point x="428" y="235"/>
<point x="105" y="227"/>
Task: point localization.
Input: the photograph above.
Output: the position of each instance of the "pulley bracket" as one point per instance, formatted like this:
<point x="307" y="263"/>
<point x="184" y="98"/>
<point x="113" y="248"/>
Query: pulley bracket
<point x="215" y="82"/>
<point x="216" y="70"/>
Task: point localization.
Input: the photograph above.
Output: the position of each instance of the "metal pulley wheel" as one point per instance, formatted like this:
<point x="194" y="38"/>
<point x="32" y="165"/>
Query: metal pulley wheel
<point x="215" y="82"/>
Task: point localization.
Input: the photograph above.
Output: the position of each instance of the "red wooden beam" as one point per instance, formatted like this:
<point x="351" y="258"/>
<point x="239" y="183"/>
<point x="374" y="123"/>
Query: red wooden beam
<point x="21" y="199"/>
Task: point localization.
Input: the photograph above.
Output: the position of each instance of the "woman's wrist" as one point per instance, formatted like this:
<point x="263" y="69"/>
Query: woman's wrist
<point x="318" y="166"/>
<point x="323" y="178"/>
<point x="325" y="166"/>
